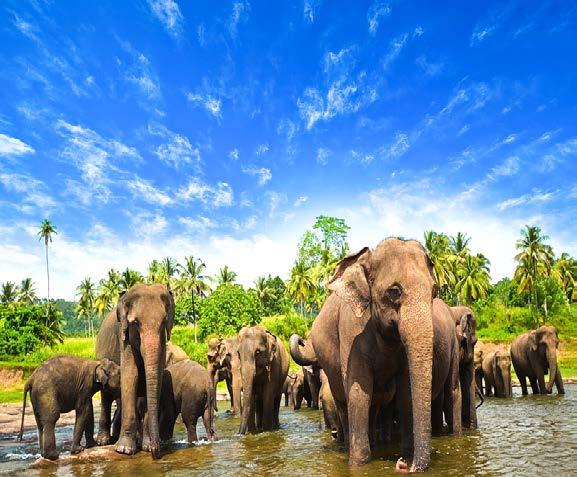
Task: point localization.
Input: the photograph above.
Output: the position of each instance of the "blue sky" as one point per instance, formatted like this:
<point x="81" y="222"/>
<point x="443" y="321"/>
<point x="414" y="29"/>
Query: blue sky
<point x="222" y="129"/>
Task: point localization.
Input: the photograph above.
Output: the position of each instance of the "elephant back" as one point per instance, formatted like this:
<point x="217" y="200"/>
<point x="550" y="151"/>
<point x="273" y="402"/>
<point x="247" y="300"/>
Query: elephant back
<point x="108" y="340"/>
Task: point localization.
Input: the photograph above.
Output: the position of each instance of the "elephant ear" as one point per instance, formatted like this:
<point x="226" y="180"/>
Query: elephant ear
<point x="272" y="347"/>
<point x="100" y="375"/>
<point x="122" y="316"/>
<point x="533" y="340"/>
<point x="169" y="314"/>
<point x="351" y="283"/>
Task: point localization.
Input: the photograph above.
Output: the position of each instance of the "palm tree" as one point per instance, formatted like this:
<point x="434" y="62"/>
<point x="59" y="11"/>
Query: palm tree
<point x="565" y="271"/>
<point x="108" y="292"/>
<point x="225" y="275"/>
<point x="459" y="244"/>
<point x="129" y="277"/>
<point x="169" y="267"/>
<point x="533" y="261"/>
<point x="47" y="228"/>
<point x="194" y="282"/>
<point x="439" y="252"/>
<point x="27" y="293"/>
<point x="86" y="304"/>
<point x="474" y="281"/>
<point x="9" y="293"/>
<point x="301" y="286"/>
<point x="262" y="289"/>
<point x="154" y="272"/>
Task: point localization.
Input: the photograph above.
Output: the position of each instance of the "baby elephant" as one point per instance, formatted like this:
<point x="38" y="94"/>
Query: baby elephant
<point x="187" y="390"/>
<point x="62" y="384"/>
<point x="497" y="374"/>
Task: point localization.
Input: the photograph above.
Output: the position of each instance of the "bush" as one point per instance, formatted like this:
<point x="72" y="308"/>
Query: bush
<point x="285" y="325"/>
<point x="183" y="336"/>
<point x="227" y="310"/>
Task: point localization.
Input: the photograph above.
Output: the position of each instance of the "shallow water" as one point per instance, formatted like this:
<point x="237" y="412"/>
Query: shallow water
<point x="525" y="435"/>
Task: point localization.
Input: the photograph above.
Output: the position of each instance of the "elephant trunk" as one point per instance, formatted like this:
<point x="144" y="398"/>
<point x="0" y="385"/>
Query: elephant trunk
<point x="153" y="369"/>
<point x="302" y="352"/>
<point x="507" y="383"/>
<point x="552" y="362"/>
<point x="247" y="399"/>
<point x="416" y="332"/>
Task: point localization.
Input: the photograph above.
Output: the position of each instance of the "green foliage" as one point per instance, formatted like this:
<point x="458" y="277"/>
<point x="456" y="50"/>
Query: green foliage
<point x="183" y="336"/>
<point x="272" y="293"/>
<point x="26" y="328"/>
<point x="183" y="314"/>
<point x="285" y="325"/>
<point x="227" y="310"/>
<point x="550" y="296"/>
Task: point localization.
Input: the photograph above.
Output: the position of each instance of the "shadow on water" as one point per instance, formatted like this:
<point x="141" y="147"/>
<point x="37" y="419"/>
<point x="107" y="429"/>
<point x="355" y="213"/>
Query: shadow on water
<point x="517" y="436"/>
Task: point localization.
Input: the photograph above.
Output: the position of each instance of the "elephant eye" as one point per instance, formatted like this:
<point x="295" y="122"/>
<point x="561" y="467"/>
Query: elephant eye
<point x="394" y="293"/>
<point x="257" y="351"/>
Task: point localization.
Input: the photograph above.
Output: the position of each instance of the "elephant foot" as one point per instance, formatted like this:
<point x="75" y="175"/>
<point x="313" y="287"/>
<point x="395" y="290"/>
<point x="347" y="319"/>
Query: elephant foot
<point x="76" y="449"/>
<point x="126" y="445"/>
<point x="103" y="439"/>
<point x="146" y="446"/>
<point x="90" y="443"/>
<point x="51" y="455"/>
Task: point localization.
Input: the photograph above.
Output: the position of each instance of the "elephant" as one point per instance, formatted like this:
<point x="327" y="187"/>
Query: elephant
<point x="223" y="364"/>
<point x="186" y="389"/>
<point x="145" y="316"/>
<point x="327" y="402"/>
<point x="467" y="337"/>
<point x="299" y="390"/>
<point x="478" y="363"/>
<point x="287" y="389"/>
<point x="264" y="365"/>
<point x="60" y="385"/>
<point x="174" y="354"/>
<point x="374" y="329"/>
<point x="533" y="355"/>
<point x="312" y="381"/>
<point x="497" y="374"/>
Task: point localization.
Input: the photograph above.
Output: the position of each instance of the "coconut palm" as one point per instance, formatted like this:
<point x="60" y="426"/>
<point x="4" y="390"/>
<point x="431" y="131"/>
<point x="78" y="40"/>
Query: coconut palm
<point x="47" y="229"/>
<point x="108" y="292"/>
<point x="565" y="271"/>
<point x="459" y="244"/>
<point x="225" y="275"/>
<point x="27" y="293"/>
<point x="129" y="277"/>
<point x="86" y="307"/>
<point x="301" y="285"/>
<point x="439" y="252"/>
<point x="193" y="281"/>
<point x="169" y="268"/>
<point x="154" y="272"/>
<point x="9" y="293"/>
<point x="474" y="281"/>
<point x="533" y="261"/>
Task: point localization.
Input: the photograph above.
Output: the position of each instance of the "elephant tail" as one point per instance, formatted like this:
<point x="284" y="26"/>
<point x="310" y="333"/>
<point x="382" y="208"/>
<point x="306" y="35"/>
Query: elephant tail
<point x="211" y="407"/>
<point x="480" y="394"/>
<point x="302" y="352"/>
<point x="27" y="388"/>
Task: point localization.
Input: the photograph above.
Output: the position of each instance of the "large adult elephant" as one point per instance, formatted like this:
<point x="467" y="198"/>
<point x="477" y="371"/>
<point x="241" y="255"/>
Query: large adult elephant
<point x="467" y="335"/>
<point x="145" y="316"/>
<point x="379" y="314"/>
<point x="312" y="378"/>
<point x="534" y="354"/>
<point x="264" y="365"/>
<point x="497" y="374"/>
<point x="223" y="364"/>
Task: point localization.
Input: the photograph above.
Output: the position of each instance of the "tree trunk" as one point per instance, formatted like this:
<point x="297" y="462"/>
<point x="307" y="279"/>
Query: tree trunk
<point x="48" y="277"/>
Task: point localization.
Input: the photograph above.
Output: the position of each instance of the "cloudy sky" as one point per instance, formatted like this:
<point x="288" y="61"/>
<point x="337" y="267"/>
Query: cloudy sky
<point x="222" y="129"/>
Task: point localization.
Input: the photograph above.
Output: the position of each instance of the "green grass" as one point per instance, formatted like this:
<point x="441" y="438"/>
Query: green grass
<point x="13" y="395"/>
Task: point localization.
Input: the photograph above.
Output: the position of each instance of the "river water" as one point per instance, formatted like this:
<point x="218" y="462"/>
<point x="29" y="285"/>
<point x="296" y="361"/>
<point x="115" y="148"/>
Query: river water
<point x="525" y="435"/>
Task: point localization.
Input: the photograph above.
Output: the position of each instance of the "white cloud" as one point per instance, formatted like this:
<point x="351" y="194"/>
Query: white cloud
<point x="168" y="12"/>
<point x="177" y="151"/>
<point x="286" y="127"/>
<point x="301" y="200"/>
<point x="11" y="146"/>
<point x="507" y="168"/>
<point x="310" y="8"/>
<point x="261" y="149"/>
<point x="398" y="147"/>
<point x="145" y="191"/>
<point x="264" y="174"/>
<point x="240" y="11"/>
<point x="200" y="223"/>
<point x="234" y="154"/>
<point x="32" y="190"/>
<point x="323" y="156"/>
<point x="147" y="224"/>
<point x="429" y="68"/>
<point x="139" y="72"/>
<point x="536" y="196"/>
<point x="364" y="158"/>
<point x="275" y="199"/>
<point x="395" y="49"/>
<point x="26" y="28"/>
<point x="210" y="103"/>
<point x="220" y="196"/>
<point x="464" y="129"/>
<point x="376" y="12"/>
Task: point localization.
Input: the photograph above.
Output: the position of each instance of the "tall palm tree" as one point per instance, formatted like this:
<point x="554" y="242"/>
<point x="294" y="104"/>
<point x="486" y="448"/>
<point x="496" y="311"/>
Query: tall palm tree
<point x="459" y="244"/>
<point x="129" y="277"/>
<point x="194" y="282"/>
<point x="169" y="267"/>
<point x="474" y="281"/>
<point x="262" y="289"/>
<point x="108" y="292"/>
<point x="47" y="229"/>
<point x="225" y="275"/>
<point x="154" y="272"/>
<point x="533" y="261"/>
<point x="301" y="286"/>
<point x="27" y="293"/>
<point x="438" y="248"/>
<point x="565" y="271"/>
<point x="86" y="304"/>
<point x="9" y="293"/>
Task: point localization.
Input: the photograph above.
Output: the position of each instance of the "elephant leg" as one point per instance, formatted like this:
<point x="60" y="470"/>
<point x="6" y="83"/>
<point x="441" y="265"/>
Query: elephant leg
<point x="343" y="431"/>
<point x="437" y="414"/>
<point x="190" y="422"/>
<point x="360" y="393"/>
<point x="286" y="399"/>
<point x="116" y="422"/>
<point x="230" y="391"/>
<point x="214" y="385"/>
<point x="258" y="407"/>
<point x="268" y="409"/>
<point x="103" y="438"/>
<point x="541" y="383"/>
<point x="89" y="427"/>
<point x="559" y="382"/>
<point x="48" y="449"/>
<point x="488" y="386"/>
<point x="534" y="385"/>
<point x="453" y="406"/>
<point x="405" y="412"/>
<point x="523" y="382"/>
<point x="207" y="420"/>
<point x="129" y="383"/>
<point x="79" y="429"/>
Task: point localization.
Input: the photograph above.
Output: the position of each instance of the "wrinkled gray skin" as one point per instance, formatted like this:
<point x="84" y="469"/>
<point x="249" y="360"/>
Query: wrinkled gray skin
<point x="478" y="363"/>
<point x="497" y="374"/>
<point x="60" y="385"/>
<point x="534" y="354"/>
<point x="330" y="414"/>
<point x="174" y="354"/>
<point x="287" y="389"/>
<point x="376" y="329"/>
<point x="312" y="381"/>
<point x="223" y="364"/>
<point x="264" y="365"/>
<point x="467" y="337"/>
<point x="145" y="316"/>
<point x="299" y="390"/>
<point x="187" y="390"/>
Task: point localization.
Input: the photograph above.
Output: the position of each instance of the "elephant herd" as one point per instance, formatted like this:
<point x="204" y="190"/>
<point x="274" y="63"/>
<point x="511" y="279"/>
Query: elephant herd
<point x="385" y="359"/>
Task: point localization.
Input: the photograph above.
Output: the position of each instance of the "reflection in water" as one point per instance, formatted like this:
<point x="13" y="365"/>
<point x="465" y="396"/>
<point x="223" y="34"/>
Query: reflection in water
<point x="534" y="434"/>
